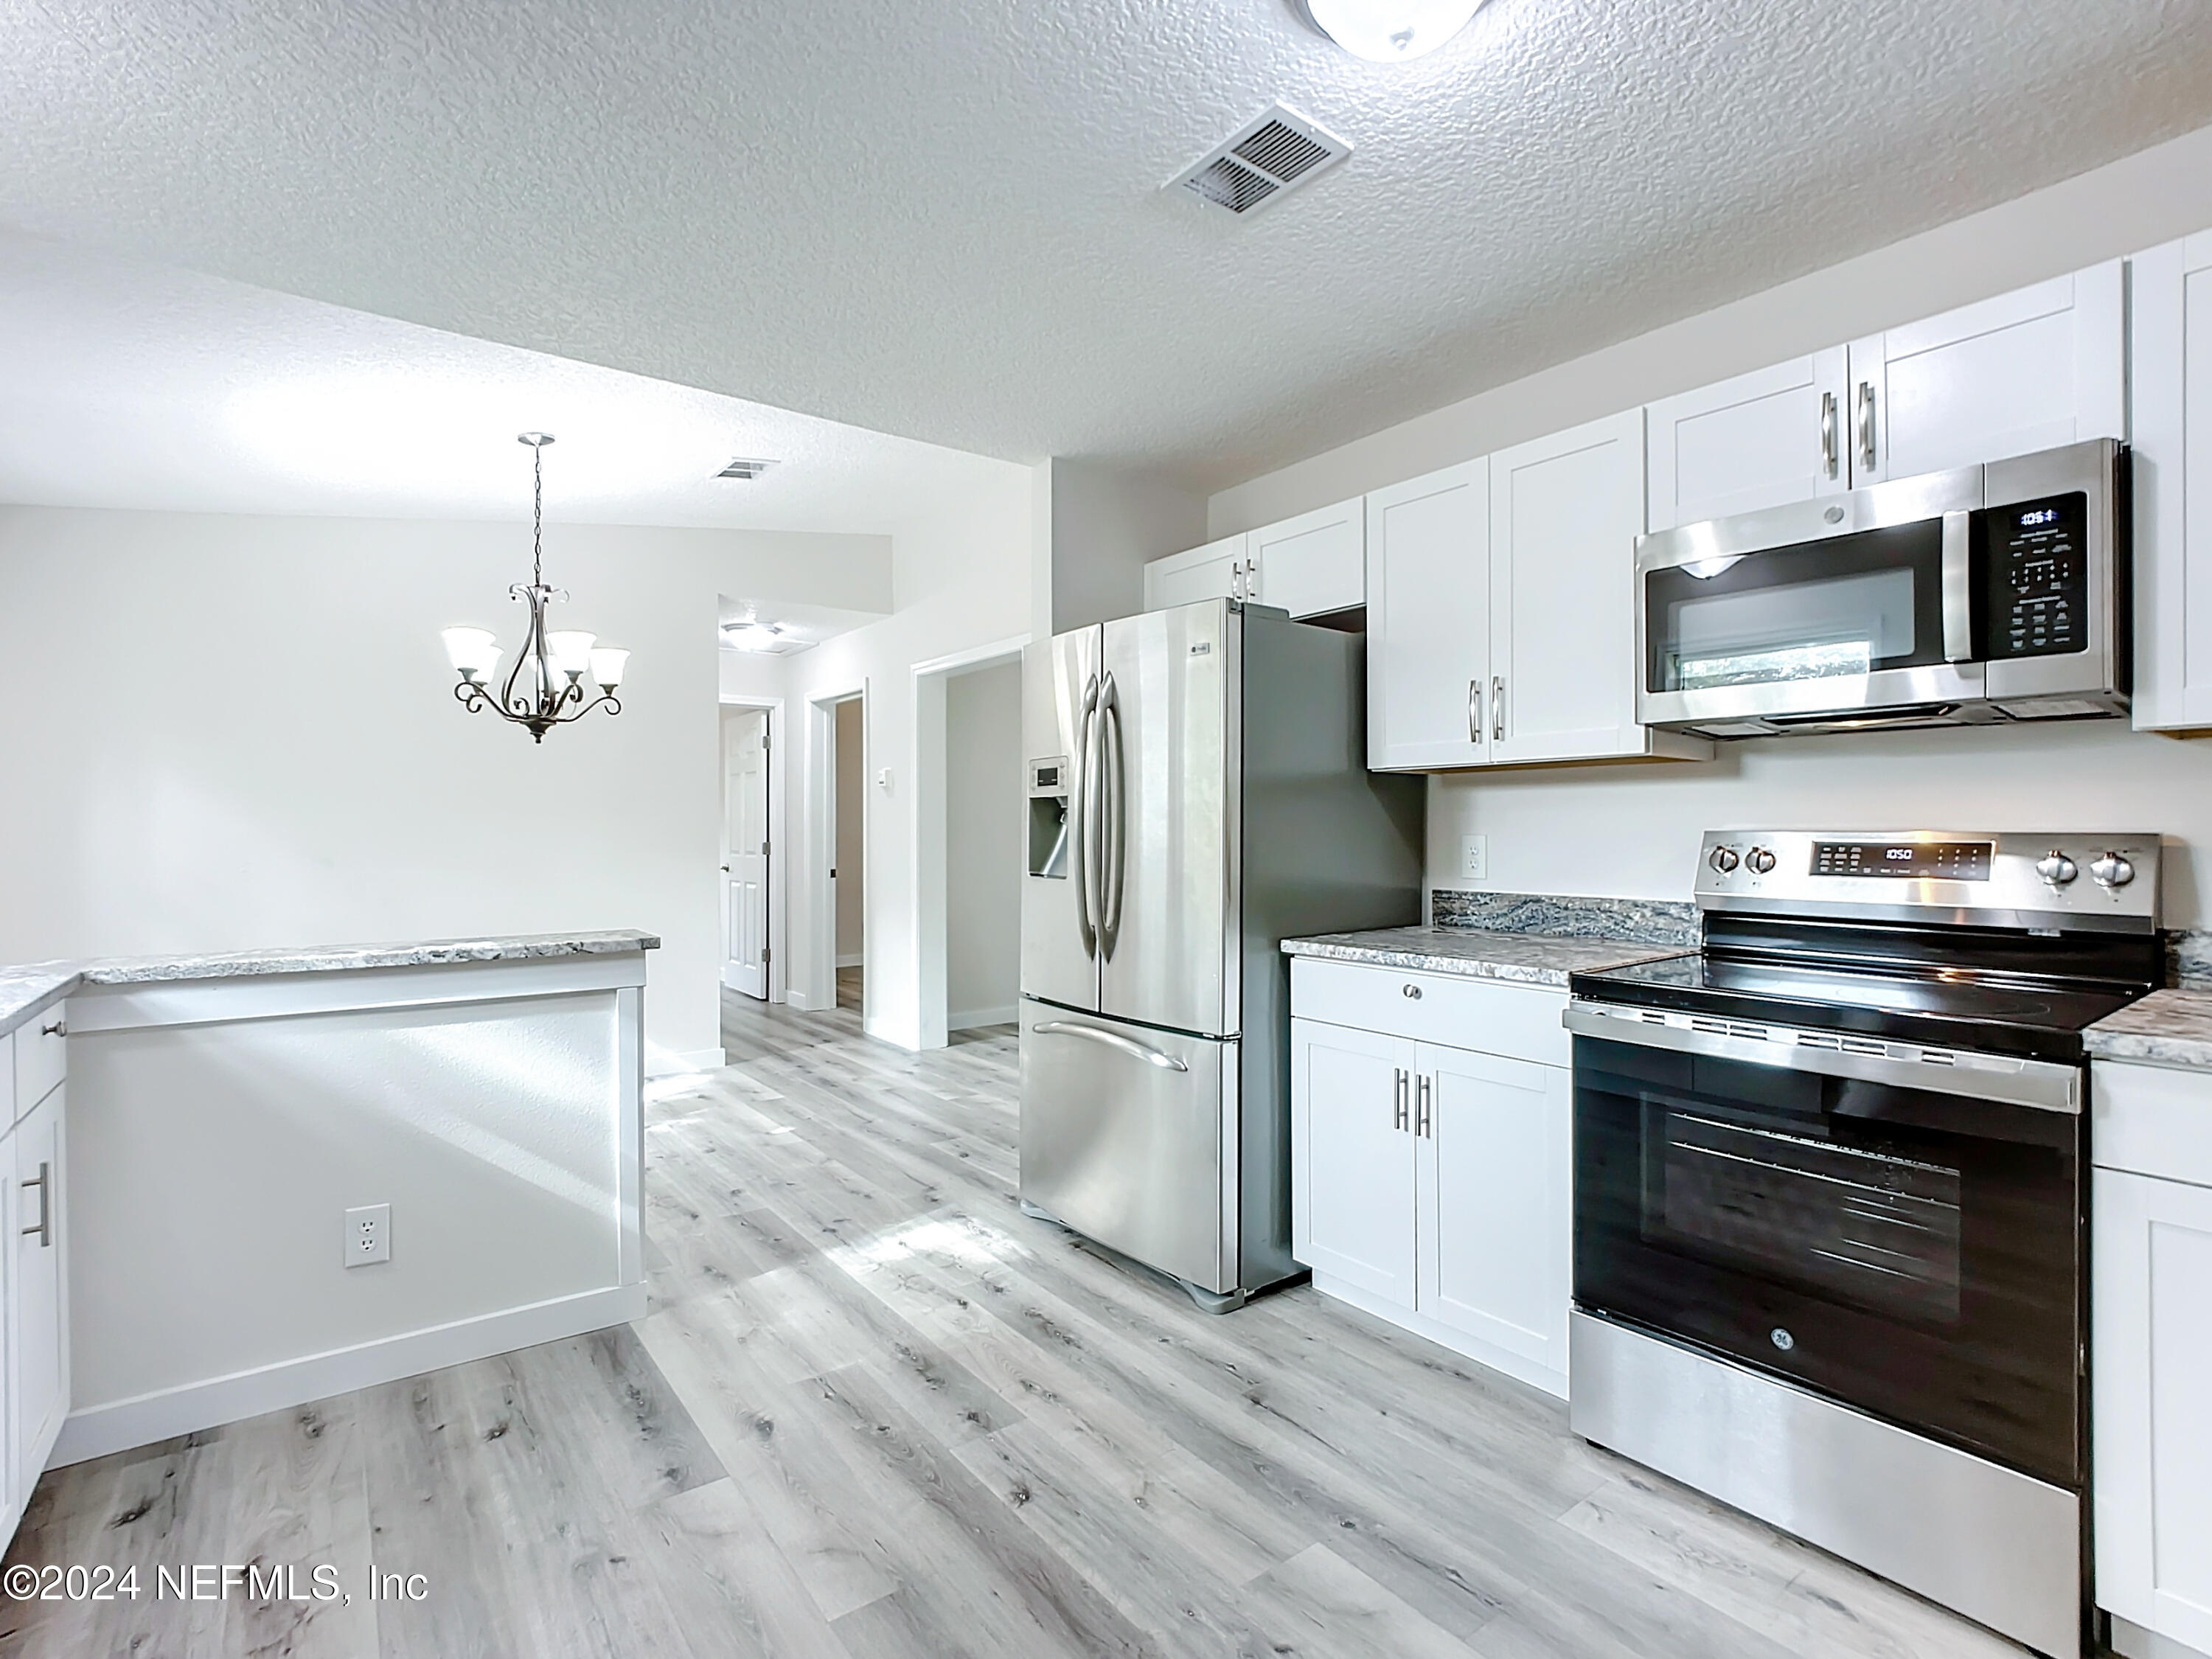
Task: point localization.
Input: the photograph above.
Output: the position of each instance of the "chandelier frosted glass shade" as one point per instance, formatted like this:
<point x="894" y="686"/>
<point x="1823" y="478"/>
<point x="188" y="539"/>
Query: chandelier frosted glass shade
<point x="545" y="687"/>
<point x="1390" y="31"/>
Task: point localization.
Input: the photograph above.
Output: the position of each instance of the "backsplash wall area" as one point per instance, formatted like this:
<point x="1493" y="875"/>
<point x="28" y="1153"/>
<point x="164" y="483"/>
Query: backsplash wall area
<point x="1631" y="831"/>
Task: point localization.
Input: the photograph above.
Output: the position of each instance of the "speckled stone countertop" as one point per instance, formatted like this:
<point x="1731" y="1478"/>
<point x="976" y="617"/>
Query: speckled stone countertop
<point x="1522" y="958"/>
<point x="2166" y="1028"/>
<point x="29" y="990"/>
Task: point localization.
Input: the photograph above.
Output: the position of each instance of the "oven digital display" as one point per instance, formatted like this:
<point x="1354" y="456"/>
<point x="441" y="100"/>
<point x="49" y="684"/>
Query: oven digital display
<point x="1917" y="860"/>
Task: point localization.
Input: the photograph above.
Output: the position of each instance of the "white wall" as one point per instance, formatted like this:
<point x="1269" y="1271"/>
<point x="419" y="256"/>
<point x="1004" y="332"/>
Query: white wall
<point x="1105" y="525"/>
<point x="239" y="731"/>
<point x="850" y="797"/>
<point x="961" y="580"/>
<point x="1631" y="830"/>
<point x="983" y="845"/>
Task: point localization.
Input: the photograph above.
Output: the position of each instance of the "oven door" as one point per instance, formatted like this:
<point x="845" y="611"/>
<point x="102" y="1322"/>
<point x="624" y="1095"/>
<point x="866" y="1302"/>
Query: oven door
<point x="1913" y="1252"/>
<point x="1851" y="603"/>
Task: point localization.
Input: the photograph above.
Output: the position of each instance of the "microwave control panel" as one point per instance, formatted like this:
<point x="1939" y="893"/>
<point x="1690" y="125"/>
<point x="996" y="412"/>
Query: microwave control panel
<point x="2038" y="577"/>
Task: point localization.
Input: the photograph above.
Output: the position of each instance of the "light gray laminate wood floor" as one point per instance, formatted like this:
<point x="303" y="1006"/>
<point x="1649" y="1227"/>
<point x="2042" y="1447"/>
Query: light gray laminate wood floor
<point x="876" y="1413"/>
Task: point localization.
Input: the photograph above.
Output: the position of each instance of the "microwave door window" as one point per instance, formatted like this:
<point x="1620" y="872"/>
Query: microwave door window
<point x="1830" y="610"/>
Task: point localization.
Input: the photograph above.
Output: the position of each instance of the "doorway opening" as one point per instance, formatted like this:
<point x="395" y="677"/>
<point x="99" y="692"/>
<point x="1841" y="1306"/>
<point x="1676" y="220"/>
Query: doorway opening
<point x="847" y="857"/>
<point x="970" y="852"/>
<point x="747" y="849"/>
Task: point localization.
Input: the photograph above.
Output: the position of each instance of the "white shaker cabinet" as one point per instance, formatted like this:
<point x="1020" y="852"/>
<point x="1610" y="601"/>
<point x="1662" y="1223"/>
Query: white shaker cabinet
<point x="2032" y="369"/>
<point x="1215" y="571"/>
<point x="1761" y="439"/>
<point x="2171" y="374"/>
<point x="2150" y="1313"/>
<point x="38" y="1294"/>
<point x="1430" y="1179"/>
<point x="1313" y="564"/>
<point x="1428" y="621"/>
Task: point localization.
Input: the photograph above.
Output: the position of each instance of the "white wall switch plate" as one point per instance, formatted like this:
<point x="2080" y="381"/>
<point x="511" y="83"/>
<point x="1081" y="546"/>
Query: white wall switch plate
<point x="368" y="1235"/>
<point x="1474" y="857"/>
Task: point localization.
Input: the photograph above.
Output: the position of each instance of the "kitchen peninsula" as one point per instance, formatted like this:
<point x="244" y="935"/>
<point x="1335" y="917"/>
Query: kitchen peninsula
<point x="228" y="1119"/>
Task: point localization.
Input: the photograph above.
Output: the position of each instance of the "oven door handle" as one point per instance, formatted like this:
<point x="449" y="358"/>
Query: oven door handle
<point x="2041" y="1083"/>
<point x="1958" y="588"/>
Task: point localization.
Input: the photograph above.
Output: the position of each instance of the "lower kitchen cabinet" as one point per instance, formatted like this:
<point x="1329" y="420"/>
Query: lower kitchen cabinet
<point x="2151" y="1356"/>
<point x="1429" y="1181"/>
<point x="34" y="1382"/>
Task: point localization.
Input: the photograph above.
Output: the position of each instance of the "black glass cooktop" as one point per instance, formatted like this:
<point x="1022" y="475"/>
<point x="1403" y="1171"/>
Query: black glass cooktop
<point x="1954" y="1008"/>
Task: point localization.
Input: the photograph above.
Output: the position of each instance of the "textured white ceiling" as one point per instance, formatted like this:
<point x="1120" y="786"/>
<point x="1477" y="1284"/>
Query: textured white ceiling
<point x="943" y="220"/>
<point x="133" y="384"/>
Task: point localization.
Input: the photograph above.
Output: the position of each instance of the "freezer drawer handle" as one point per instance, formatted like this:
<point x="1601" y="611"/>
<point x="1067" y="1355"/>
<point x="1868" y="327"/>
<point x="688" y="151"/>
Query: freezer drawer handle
<point x="1112" y="1039"/>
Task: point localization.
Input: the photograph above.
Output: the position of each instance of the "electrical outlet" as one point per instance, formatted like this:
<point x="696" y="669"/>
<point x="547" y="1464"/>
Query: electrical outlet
<point x="1474" y="857"/>
<point x="368" y="1235"/>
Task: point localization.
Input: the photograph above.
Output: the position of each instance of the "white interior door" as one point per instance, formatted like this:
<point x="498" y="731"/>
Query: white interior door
<point x="745" y="850"/>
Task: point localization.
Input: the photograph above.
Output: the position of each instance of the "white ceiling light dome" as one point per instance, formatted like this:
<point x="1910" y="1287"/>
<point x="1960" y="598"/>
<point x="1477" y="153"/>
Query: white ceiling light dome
<point x="1390" y="31"/>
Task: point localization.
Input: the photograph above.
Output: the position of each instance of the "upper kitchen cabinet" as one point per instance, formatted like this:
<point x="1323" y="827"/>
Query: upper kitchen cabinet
<point x="1216" y="571"/>
<point x="1761" y="439"/>
<point x="1428" y="621"/>
<point x="1565" y="515"/>
<point x="1313" y="565"/>
<point x="2029" y="370"/>
<point x="2172" y="376"/>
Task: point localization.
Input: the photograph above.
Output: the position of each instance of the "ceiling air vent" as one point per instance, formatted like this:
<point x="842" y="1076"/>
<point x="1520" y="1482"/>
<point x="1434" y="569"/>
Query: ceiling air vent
<point x="1274" y="152"/>
<point x="744" y="469"/>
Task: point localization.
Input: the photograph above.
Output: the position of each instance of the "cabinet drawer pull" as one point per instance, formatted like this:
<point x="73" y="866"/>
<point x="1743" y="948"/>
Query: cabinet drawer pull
<point x="59" y="1028"/>
<point x="1412" y="991"/>
<point x="44" y="1232"/>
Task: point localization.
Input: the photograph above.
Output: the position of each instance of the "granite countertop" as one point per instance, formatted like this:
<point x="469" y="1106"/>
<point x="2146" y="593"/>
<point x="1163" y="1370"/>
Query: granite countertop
<point x="2166" y="1028"/>
<point x="28" y="990"/>
<point x="1522" y="958"/>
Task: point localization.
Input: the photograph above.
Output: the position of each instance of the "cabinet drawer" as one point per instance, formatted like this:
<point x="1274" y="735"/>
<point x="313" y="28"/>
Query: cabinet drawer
<point x="41" y="1051"/>
<point x="1487" y="1016"/>
<point x="2152" y="1121"/>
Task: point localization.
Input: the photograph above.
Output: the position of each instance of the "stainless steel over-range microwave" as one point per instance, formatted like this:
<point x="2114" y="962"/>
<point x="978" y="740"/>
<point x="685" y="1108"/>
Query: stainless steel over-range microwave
<point x="1988" y="594"/>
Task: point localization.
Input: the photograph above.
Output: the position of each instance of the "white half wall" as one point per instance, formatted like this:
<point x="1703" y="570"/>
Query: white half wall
<point x="1633" y="830"/>
<point x="982" y="845"/>
<point x="240" y="731"/>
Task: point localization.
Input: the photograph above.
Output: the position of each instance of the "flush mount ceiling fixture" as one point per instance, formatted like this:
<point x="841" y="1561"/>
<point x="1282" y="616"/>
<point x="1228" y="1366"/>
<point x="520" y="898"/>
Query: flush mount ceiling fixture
<point x="1389" y="31"/>
<point x="553" y="693"/>
<point x="753" y="634"/>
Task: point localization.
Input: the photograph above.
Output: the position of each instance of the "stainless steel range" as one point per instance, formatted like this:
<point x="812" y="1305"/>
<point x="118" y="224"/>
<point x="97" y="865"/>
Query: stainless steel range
<point x="1831" y="1190"/>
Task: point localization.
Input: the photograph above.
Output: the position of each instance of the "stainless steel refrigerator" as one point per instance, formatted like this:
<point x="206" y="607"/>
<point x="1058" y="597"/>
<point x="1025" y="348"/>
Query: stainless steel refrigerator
<point x="1197" y="792"/>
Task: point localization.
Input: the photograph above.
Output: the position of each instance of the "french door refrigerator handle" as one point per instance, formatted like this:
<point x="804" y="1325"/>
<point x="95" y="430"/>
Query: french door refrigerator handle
<point x="1112" y="876"/>
<point x="1084" y="782"/>
<point x="1112" y="1039"/>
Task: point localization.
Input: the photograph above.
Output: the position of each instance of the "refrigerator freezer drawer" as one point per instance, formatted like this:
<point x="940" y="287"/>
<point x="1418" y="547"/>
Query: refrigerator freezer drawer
<point x="1129" y="1137"/>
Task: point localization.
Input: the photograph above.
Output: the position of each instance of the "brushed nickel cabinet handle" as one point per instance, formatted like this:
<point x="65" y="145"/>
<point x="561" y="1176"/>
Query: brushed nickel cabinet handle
<point x="1475" y="711"/>
<point x="1425" y="1110"/>
<point x="1829" y="458"/>
<point x="44" y="1232"/>
<point x="1412" y="991"/>
<point x="59" y="1028"/>
<point x="1497" y="708"/>
<point x="1397" y="1096"/>
<point x="1866" y="424"/>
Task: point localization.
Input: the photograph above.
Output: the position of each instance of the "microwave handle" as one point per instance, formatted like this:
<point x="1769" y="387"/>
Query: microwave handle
<point x="1957" y="587"/>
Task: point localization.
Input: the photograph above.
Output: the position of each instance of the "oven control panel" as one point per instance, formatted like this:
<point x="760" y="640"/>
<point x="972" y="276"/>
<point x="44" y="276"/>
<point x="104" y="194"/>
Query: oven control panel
<point x="2097" y="880"/>
<point x="2038" y="574"/>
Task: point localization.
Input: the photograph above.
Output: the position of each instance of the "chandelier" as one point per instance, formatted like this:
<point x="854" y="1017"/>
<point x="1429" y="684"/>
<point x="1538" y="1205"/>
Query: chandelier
<point x="544" y="689"/>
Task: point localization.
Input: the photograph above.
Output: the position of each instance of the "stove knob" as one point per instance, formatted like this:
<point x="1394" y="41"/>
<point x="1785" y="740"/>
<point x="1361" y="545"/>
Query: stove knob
<point x="2111" y="870"/>
<point x="2057" y="869"/>
<point x="1760" y="860"/>
<point x="1724" y="859"/>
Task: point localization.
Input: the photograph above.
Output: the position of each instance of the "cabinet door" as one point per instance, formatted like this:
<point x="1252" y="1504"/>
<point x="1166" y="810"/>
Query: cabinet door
<point x="1215" y="571"/>
<point x="2150" y="1309"/>
<point x="1351" y="1158"/>
<point x="1315" y="563"/>
<point x="2171" y="372"/>
<point x="1428" y="621"/>
<point x="1496" y="1244"/>
<point x="2029" y="370"/>
<point x="1761" y="439"/>
<point x="38" y="1350"/>
<point x="1564" y="513"/>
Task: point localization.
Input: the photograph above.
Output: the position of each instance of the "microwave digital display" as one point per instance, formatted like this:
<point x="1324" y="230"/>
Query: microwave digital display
<point x="1917" y="860"/>
<point x="2037" y="578"/>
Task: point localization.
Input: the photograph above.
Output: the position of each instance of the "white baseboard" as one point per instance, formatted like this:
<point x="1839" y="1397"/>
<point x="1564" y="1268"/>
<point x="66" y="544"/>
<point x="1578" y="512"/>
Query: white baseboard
<point x="122" y="1424"/>
<point x="856" y="960"/>
<point x="1519" y="1367"/>
<point x="665" y="1062"/>
<point x="976" y="1017"/>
